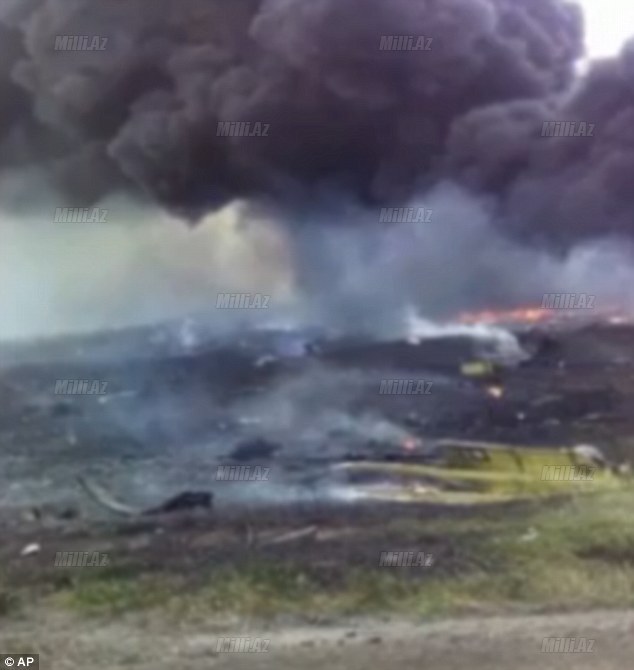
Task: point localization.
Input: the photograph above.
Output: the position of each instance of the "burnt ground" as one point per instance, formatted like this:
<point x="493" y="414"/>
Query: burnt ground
<point x="170" y="417"/>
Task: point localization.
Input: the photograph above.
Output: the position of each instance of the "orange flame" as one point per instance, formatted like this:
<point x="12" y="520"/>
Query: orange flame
<point x="535" y="315"/>
<point x="517" y="315"/>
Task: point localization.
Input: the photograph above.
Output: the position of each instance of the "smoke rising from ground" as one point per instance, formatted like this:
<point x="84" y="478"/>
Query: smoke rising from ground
<point x="339" y="267"/>
<point x="351" y="128"/>
<point x="376" y="274"/>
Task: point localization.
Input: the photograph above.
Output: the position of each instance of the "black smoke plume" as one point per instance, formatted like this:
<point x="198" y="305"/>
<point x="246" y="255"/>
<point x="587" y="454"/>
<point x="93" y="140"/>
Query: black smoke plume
<point x="342" y="114"/>
<point x="142" y="114"/>
<point x="563" y="189"/>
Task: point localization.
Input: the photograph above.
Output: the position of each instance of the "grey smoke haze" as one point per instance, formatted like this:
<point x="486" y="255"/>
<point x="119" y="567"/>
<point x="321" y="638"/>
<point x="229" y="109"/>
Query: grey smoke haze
<point x="316" y="405"/>
<point x="459" y="260"/>
<point x="352" y="128"/>
<point x="339" y="266"/>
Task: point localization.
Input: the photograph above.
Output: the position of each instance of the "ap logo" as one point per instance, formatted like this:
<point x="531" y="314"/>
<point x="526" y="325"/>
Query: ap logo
<point x="31" y="661"/>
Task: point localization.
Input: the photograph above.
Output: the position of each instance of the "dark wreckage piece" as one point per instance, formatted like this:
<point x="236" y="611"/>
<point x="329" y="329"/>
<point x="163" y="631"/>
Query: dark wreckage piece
<point x="184" y="501"/>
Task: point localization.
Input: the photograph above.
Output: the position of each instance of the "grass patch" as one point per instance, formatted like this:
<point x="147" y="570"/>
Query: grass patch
<point x="115" y="594"/>
<point x="545" y="556"/>
<point x="9" y="600"/>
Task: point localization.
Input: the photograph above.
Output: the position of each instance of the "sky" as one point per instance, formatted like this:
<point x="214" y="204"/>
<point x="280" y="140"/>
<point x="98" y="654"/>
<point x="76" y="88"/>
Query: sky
<point x="609" y="23"/>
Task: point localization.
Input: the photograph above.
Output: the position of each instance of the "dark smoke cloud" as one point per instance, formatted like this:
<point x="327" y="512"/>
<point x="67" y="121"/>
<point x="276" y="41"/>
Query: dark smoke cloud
<point x="143" y="113"/>
<point x="557" y="189"/>
<point x="344" y="115"/>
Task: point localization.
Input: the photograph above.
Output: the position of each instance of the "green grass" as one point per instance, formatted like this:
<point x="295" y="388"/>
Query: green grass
<point x="116" y="595"/>
<point x="546" y="556"/>
<point x="9" y="602"/>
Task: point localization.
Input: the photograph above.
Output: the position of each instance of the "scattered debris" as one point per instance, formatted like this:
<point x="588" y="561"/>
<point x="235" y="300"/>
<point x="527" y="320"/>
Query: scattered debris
<point x="292" y="536"/>
<point x="495" y="391"/>
<point x="465" y="471"/>
<point x="31" y="549"/>
<point x="186" y="500"/>
<point x="254" y="449"/>
<point x="478" y="369"/>
<point x="265" y="539"/>
<point x="588" y="453"/>
<point x="67" y="513"/>
<point x="37" y="513"/>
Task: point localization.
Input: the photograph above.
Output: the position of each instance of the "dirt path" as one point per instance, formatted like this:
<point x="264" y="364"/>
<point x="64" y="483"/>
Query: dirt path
<point x="512" y="643"/>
